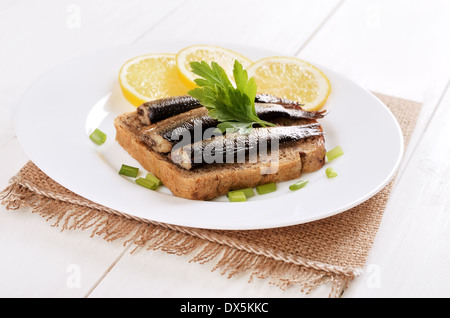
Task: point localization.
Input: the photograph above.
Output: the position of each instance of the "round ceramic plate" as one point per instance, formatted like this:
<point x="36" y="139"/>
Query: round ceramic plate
<point x="57" y="114"/>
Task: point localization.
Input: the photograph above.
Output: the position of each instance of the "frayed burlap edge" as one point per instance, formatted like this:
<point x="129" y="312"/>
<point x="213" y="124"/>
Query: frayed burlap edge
<point x="230" y="259"/>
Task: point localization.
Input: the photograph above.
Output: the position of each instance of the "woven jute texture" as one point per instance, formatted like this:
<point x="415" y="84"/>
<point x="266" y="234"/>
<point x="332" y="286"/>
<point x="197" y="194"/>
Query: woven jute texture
<point x="330" y="251"/>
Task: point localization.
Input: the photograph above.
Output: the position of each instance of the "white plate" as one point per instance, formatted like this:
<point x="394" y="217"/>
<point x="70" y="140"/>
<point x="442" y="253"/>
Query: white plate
<point x="59" y="111"/>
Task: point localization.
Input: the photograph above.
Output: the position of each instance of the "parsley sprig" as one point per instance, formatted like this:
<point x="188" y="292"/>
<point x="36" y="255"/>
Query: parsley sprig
<point x="233" y="107"/>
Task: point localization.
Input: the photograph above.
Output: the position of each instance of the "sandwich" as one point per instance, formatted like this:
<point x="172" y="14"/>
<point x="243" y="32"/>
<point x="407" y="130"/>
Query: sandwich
<point x="201" y="151"/>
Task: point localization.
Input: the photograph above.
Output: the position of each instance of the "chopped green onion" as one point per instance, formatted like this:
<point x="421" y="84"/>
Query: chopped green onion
<point x="240" y="195"/>
<point x="98" y="136"/>
<point x="147" y="183"/>
<point x="236" y="196"/>
<point x="129" y="171"/>
<point x="330" y="172"/>
<point x="154" y="179"/>
<point x="298" y="185"/>
<point x="334" y="153"/>
<point x="266" y="188"/>
<point x="248" y="192"/>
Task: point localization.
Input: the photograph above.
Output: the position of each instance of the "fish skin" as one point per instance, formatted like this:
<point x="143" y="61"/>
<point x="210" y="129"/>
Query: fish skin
<point x="267" y="111"/>
<point x="234" y="145"/>
<point x="164" y="134"/>
<point x="194" y="123"/>
<point x="271" y="99"/>
<point x="157" y="110"/>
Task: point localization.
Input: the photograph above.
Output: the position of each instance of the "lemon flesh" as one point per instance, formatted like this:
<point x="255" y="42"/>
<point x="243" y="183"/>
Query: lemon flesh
<point x="208" y="53"/>
<point x="149" y="77"/>
<point x="293" y="79"/>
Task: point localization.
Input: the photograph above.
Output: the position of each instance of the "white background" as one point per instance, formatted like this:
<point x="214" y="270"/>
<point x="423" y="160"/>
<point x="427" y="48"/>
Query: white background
<point x="399" y="48"/>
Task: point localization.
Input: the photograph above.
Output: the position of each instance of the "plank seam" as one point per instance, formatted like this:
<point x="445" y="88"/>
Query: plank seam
<point x="319" y="27"/>
<point x="159" y="22"/>
<point x="113" y="264"/>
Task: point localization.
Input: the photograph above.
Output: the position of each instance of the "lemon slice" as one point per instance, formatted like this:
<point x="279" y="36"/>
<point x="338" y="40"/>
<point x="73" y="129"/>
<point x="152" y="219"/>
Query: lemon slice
<point x="293" y="79"/>
<point x="150" y="77"/>
<point x="208" y="53"/>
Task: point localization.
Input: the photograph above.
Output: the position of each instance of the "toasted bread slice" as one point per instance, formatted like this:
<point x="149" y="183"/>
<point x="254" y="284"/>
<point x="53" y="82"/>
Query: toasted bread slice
<point x="213" y="180"/>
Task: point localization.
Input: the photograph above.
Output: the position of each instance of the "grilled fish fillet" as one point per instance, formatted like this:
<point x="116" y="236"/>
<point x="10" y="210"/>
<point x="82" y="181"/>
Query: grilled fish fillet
<point x="211" y="181"/>
<point x="193" y="124"/>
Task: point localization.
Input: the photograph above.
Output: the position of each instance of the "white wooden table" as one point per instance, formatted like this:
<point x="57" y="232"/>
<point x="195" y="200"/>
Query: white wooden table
<point x="400" y="48"/>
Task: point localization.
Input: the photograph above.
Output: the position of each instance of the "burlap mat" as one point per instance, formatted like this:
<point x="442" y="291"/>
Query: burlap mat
<point x="330" y="251"/>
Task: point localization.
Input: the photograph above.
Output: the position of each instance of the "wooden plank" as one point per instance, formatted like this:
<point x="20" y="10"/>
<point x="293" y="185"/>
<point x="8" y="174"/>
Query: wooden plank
<point x="280" y="26"/>
<point x="37" y="260"/>
<point x="7" y="3"/>
<point x="401" y="48"/>
<point x="410" y="254"/>
<point x="397" y="48"/>
<point x="158" y="274"/>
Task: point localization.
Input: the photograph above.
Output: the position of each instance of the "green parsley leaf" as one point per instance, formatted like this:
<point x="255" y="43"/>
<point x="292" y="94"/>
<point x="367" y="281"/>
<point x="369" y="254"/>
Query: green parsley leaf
<point x="233" y="106"/>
